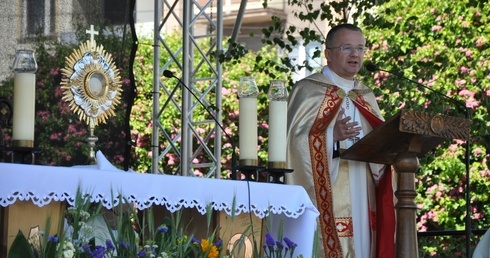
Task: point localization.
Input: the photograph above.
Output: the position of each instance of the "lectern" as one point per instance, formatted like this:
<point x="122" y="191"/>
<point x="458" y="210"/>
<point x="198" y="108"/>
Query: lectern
<point x="401" y="141"/>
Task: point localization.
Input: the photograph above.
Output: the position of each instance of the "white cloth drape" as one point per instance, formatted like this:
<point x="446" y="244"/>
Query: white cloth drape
<point x="482" y="250"/>
<point x="105" y="183"/>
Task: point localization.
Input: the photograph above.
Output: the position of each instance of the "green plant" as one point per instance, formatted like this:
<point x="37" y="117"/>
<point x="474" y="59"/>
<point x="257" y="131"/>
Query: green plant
<point x="131" y="235"/>
<point x="440" y="44"/>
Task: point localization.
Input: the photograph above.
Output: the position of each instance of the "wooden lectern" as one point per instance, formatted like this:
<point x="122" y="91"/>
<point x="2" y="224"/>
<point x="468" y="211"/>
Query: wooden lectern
<point x="401" y="141"/>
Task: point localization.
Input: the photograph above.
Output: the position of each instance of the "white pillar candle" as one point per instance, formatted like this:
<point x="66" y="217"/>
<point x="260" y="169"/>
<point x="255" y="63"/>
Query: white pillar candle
<point x="247" y="128"/>
<point x="24" y="108"/>
<point x="277" y="130"/>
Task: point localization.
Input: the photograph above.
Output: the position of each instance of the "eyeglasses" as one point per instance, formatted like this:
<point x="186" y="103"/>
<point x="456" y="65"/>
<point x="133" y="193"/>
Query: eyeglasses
<point x="349" y="49"/>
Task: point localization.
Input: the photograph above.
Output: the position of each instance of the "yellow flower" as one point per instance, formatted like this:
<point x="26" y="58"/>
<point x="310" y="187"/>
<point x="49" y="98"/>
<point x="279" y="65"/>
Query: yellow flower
<point x="208" y="247"/>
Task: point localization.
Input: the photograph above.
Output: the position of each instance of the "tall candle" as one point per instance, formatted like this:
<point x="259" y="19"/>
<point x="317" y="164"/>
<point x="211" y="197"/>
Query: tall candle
<point x="277" y="130"/>
<point x="277" y="124"/>
<point x="24" y="109"/>
<point x="25" y="67"/>
<point x="247" y="127"/>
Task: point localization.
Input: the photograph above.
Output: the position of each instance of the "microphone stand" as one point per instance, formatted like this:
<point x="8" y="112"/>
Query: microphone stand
<point x="373" y="68"/>
<point x="170" y="74"/>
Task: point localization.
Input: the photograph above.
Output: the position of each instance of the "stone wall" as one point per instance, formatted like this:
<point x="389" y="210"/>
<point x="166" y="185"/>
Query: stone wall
<point x="56" y="19"/>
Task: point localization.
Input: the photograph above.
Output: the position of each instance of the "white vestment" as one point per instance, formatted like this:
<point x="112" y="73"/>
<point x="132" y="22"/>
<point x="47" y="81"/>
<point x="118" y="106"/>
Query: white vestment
<point x="351" y="182"/>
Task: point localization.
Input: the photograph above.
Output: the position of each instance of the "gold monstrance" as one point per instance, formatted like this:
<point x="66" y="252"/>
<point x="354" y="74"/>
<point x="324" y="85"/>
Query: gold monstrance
<point x="92" y="86"/>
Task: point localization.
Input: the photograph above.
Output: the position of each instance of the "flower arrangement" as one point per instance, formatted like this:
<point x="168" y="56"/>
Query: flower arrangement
<point x="89" y="232"/>
<point x="277" y="249"/>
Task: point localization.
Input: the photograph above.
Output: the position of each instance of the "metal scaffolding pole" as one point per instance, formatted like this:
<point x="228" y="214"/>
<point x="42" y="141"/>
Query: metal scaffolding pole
<point x="191" y="146"/>
<point x="156" y="88"/>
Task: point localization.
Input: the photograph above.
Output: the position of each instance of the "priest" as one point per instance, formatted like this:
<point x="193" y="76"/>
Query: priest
<point x="328" y="112"/>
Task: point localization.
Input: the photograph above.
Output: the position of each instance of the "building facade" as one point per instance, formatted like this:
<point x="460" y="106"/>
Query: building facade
<point x="22" y="21"/>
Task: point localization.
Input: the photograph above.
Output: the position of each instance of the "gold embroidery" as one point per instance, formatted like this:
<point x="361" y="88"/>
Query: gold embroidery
<point x="352" y="95"/>
<point x="341" y="93"/>
<point x="319" y="164"/>
<point x="344" y="227"/>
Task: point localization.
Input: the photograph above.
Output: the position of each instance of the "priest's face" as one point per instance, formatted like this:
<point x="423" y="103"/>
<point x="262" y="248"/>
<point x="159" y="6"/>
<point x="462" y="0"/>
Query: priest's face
<point x="346" y="53"/>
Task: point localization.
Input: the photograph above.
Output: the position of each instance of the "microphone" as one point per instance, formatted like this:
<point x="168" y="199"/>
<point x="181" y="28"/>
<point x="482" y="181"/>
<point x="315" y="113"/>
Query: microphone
<point x="373" y="68"/>
<point x="170" y="74"/>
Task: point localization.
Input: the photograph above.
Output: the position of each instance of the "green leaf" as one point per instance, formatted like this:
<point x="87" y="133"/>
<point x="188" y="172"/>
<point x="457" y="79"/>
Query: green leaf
<point x="20" y="248"/>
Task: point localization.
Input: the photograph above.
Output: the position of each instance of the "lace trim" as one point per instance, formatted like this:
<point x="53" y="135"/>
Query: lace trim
<point x="144" y="203"/>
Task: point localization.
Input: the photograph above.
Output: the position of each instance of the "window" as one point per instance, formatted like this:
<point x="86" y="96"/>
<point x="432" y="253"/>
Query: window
<point x="38" y="18"/>
<point x="117" y="11"/>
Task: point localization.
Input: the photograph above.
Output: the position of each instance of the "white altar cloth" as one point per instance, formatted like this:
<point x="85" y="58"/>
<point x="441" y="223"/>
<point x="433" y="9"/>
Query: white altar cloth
<point x="43" y="184"/>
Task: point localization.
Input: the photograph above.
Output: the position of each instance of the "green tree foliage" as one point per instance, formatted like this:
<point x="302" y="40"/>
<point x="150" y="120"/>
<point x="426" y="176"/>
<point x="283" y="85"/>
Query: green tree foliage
<point x="443" y="45"/>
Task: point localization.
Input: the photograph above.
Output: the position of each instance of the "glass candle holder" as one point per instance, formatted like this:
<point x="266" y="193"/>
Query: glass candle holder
<point x="247" y="121"/>
<point x="24" y="62"/>
<point x="277" y="90"/>
<point x="247" y="87"/>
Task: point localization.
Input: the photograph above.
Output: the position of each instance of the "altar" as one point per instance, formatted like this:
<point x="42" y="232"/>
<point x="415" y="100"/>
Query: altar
<point x="45" y="185"/>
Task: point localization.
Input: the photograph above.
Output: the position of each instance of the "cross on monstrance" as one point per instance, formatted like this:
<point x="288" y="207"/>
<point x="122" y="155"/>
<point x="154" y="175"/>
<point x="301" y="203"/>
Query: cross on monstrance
<point x="92" y="32"/>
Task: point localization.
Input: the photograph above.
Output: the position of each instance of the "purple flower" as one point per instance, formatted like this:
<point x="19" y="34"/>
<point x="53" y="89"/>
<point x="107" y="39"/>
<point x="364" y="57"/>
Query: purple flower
<point x="279" y="244"/>
<point x="109" y="245"/>
<point x="218" y="243"/>
<point x="290" y="243"/>
<point x="87" y="248"/>
<point x="53" y="239"/>
<point x="125" y="245"/>
<point x="98" y="251"/>
<point x="195" y="240"/>
<point x="163" y="229"/>
<point x="141" y="253"/>
<point x="269" y="241"/>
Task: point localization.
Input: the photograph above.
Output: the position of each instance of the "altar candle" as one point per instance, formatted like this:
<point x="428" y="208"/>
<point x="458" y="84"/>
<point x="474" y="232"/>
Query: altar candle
<point x="25" y="67"/>
<point x="247" y="121"/>
<point x="277" y="130"/>
<point x="277" y="95"/>
<point x="247" y="129"/>
<point x="24" y="108"/>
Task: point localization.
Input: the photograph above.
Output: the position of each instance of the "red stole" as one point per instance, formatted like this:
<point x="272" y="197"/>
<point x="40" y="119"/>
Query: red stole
<point x="317" y="139"/>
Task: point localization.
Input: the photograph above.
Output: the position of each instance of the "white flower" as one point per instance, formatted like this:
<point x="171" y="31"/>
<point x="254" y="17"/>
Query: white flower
<point x="163" y="255"/>
<point x="69" y="245"/>
<point x="68" y="254"/>
<point x="87" y="229"/>
<point x="68" y="249"/>
<point x="84" y="215"/>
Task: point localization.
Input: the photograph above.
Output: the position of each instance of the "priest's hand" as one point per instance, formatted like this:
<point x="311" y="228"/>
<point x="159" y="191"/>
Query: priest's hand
<point x="344" y="129"/>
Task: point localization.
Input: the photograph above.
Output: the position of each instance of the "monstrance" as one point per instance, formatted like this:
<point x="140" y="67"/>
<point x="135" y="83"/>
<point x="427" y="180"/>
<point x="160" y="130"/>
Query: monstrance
<point x="91" y="85"/>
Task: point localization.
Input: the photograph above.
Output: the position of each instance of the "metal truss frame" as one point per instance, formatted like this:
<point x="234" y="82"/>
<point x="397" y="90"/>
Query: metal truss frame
<point x="198" y="138"/>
